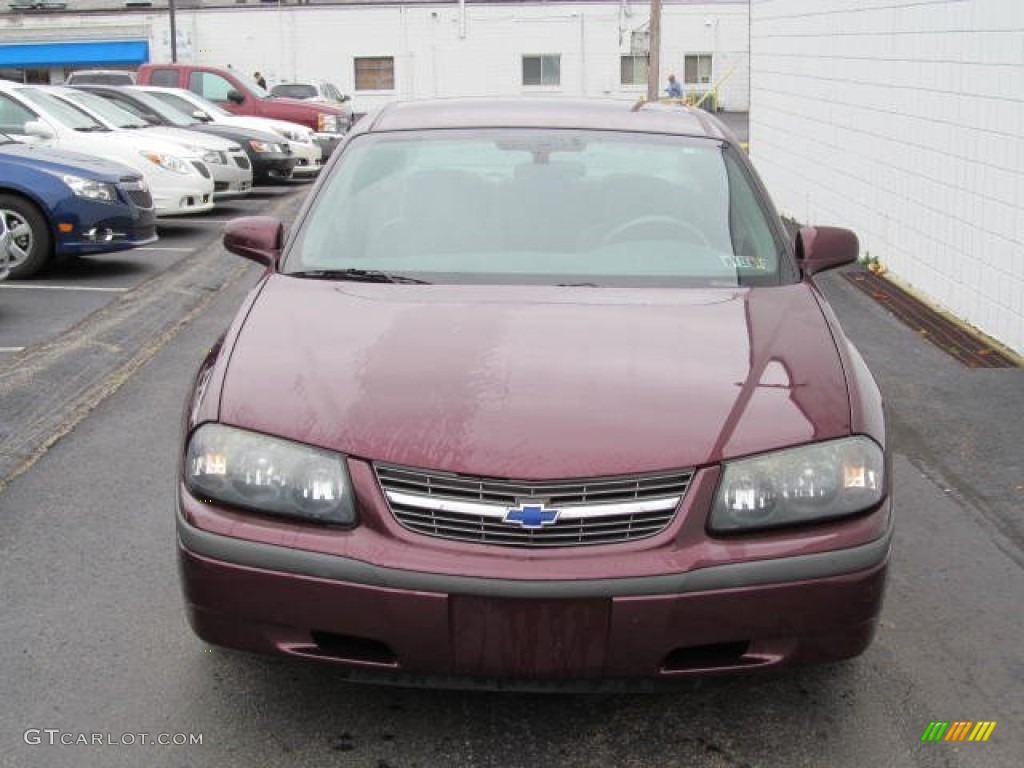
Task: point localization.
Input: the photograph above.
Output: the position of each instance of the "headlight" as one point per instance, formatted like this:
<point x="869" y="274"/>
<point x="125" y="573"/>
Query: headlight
<point x="267" y="474"/>
<point x="92" y="189"/>
<point x="799" y="485"/>
<point x="302" y="137"/>
<point x="209" y="156"/>
<point x="264" y="146"/>
<point x="327" y="123"/>
<point x="167" y="162"/>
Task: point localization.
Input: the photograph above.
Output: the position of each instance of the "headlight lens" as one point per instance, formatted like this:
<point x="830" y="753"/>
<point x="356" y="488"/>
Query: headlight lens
<point x="268" y="474"/>
<point x="91" y="189"/>
<point x="808" y="484"/>
<point x="167" y="162"/>
<point x="327" y="123"/>
<point x="209" y="156"/>
<point x="302" y="137"/>
<point x="264" y="146"/>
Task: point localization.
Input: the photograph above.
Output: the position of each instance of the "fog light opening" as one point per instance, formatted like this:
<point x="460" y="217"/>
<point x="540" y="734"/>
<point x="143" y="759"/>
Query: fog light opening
<point x="359" y="650"/>
<point x="708" y="657"/>
<point x="100" y="235"/>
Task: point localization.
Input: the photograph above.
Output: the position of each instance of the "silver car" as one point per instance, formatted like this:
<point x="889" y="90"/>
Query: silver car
<point x="226" y="160"/>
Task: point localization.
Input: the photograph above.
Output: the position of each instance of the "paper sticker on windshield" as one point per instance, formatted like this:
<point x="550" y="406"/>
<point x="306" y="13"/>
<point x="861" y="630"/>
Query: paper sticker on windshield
<point x="743" y="262"/>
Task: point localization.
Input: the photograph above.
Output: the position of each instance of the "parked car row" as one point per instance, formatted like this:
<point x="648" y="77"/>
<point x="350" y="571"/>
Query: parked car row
<point x="146" y="151"/>
<point x="241" y="95"/>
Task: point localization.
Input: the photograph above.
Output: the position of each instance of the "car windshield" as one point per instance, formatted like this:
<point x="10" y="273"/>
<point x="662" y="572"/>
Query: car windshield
<point x="105" y="110"/>
<point x="187" y="105"/>
<point x="559" y="207"/>
<point x="294" y="90"/>
<point x="251" y="84"/>
<point x="166" y="112"/>
<point x="69" y="115"/>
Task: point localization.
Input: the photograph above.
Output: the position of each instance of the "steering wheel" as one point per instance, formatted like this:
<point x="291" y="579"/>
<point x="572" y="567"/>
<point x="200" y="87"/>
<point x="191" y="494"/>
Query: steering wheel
<point x="656" y="227"/>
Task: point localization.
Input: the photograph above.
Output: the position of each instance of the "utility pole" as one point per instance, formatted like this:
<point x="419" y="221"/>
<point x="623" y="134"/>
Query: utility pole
<point x="174" y="34"/>
<point x="654" y="53"/>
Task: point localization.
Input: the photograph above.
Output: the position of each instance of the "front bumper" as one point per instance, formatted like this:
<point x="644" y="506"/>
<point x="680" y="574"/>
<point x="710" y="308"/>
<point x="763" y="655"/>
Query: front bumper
<point x="233" y="179"/>
<point x="191" y="194"/>
<point x="271" y="166"/>
<point x="406" y="626"/>
<point x="327" y="142"/>
<point x="309" y="159"/>
<point x="102" y="228"/>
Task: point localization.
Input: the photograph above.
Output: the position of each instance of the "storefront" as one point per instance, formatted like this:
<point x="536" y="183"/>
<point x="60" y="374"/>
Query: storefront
<point x="51" y="61"/>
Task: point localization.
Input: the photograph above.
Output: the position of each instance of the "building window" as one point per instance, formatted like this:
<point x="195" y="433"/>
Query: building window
<point x="545" y="69"/>
<point x="633" y="70"/>
<point x="697" y="69"/>
<point x="375" y="73"/>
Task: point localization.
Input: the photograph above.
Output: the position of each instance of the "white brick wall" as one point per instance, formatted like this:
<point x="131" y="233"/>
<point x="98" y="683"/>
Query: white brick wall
<point x="903" y="120"/>
<point x="432" y="59"/>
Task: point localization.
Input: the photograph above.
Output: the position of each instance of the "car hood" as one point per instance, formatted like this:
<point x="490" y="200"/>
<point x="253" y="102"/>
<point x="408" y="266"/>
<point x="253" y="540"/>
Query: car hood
<point x="311" y="106"/>
<point x="62" y="161"/>
<point x="265" y="124"/>
<point x="121" y="145"/>
<point x="536" y="382"/>
<point x="236" y="133"/>
<point x="189" y="138"/>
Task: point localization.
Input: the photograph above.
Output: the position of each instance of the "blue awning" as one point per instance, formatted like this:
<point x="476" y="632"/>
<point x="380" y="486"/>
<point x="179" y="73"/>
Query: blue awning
<point x="59" y="54"/>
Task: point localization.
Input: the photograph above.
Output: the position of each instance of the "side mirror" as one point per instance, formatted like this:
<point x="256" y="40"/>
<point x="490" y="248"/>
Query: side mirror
<point x="345" y="97"/>
<point x="201" y="116"/>
<point x="39" y="129"/>
<point x="258" y="238"/>
<point x="235" y="97"/>
<point x="822" y="248"/>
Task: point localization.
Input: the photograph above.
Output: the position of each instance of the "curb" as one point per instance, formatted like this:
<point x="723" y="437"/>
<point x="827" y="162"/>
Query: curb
<point x="49" y="388"/>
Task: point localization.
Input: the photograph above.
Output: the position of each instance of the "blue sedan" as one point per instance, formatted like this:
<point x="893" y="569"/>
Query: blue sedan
<point x="57" y="203"/>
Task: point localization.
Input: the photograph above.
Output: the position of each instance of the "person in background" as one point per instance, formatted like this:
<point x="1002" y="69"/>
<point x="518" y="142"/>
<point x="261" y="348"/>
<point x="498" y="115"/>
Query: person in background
<point x="674" y="90"/>
<point x="260" y="80"/>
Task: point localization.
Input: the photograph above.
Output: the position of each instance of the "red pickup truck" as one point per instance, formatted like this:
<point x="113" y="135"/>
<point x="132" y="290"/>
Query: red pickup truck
<point x="241" y="95"/>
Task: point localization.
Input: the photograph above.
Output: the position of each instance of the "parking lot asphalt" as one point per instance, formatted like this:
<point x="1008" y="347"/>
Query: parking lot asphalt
<point x="32" y="311"/>
<point x="120" y="313"/>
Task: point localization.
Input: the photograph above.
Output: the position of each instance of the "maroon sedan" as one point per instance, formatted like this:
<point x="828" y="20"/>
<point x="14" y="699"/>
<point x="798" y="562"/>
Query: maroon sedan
<point x="536" y="391"/>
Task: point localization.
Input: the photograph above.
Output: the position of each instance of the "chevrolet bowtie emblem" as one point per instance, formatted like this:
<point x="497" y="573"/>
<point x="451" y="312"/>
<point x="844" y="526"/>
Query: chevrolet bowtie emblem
<point x="531" y="516"/>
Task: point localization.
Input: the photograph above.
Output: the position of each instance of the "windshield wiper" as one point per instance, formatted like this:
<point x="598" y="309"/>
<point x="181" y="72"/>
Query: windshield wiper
<point x="91" y="129"/>
<point x="358" y="275"/>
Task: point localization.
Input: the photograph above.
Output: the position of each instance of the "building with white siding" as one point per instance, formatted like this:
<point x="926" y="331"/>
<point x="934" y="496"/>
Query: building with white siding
<point x="380" y="51"/>
<point x="903" y="120"/>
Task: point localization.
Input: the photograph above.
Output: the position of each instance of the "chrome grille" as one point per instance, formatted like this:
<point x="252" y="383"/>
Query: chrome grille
<point x="203" y="170"/>
<point x="591" y="511"/>
<point x="242" y="161"/>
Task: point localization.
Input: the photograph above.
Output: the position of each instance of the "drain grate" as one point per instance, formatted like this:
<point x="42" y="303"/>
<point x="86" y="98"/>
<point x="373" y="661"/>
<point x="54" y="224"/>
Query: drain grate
<point x="971" y="350"/>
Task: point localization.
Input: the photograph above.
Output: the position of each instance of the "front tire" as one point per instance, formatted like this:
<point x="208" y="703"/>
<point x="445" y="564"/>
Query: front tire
<point x="30" y="243"/>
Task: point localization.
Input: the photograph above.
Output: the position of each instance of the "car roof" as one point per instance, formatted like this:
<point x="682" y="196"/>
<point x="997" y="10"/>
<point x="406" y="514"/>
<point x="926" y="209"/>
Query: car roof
<point x="597" y="114"/>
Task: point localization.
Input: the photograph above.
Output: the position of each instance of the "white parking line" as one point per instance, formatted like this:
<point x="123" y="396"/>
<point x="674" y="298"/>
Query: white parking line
<point x="64" y="288"/>
<point x="11" y="349"/>
<point x="158" y="248"/>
